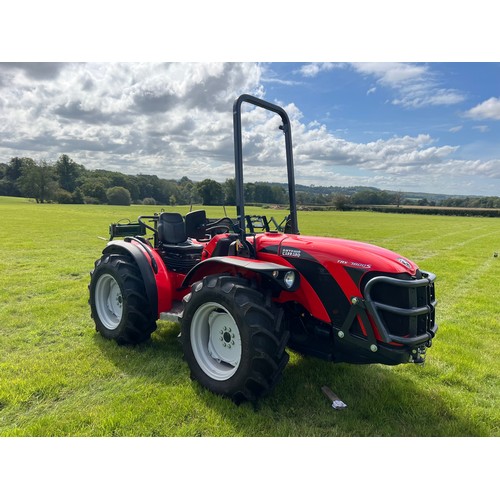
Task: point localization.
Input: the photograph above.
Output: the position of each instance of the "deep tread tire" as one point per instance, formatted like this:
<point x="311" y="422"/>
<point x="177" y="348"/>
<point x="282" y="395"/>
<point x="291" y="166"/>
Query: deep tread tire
<point x="118" y="301"/>
<point x="220" y="300"/>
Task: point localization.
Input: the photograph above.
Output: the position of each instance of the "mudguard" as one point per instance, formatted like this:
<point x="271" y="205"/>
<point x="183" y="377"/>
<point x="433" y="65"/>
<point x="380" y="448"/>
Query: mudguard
<point x="152" y="270"/>
<point x="275" y="273"/>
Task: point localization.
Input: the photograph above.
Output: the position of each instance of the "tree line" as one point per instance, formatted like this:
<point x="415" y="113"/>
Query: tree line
<point x="66" y="181"/>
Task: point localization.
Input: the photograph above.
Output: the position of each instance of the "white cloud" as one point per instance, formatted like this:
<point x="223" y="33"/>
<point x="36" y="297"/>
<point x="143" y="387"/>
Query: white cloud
<point x="395" y="154"/>
<point x="456" y="129"/>
<point x="391" y="74"/>
<point x="148" y="117"/>
<point x="415" y="84"/>
<point x="312" y="69"/>
<point x="371" y="90"/>
<point x="487" y="110"/>
<point x="481" y="128"/>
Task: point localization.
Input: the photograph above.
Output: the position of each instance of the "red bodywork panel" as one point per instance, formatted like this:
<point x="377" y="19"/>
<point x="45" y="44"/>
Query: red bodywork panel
<point x="331" y="270"/>
<point x="327" y="251"/>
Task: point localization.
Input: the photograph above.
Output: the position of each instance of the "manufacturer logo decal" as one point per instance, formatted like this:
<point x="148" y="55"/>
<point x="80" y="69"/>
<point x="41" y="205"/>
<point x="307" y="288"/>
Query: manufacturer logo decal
<point x="290" y="252"/>
<point x="353" y="264"/>
<point x="404" y="262"/>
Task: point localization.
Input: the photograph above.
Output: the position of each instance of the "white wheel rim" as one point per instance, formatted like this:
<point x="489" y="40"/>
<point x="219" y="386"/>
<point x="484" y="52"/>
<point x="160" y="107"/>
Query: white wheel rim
<point x="216" y="341"/>
<point x="108" y="301"/>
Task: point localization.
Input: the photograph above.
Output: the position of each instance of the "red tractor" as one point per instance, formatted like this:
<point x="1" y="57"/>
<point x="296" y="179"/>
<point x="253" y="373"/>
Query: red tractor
<point x="244" y="291"/>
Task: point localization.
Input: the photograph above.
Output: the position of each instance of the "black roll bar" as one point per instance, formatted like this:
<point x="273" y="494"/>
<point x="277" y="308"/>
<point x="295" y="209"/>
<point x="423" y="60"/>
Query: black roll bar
<point x="238" y="159"/>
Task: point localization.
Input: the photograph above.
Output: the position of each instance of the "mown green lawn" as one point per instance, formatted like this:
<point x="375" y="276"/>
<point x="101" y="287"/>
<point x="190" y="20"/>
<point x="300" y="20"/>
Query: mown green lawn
<point x="58" y="377"/>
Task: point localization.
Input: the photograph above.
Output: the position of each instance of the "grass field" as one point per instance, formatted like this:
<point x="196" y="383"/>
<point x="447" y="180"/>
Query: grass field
<point x="58" y="377"/>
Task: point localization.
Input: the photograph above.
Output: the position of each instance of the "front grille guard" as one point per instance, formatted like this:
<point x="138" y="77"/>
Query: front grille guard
<point x="415" y="311"/>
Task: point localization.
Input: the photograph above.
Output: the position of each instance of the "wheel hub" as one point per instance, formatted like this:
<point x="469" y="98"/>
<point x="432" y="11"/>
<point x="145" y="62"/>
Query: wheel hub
<point x="216" y="341"/>
<point x="109" y="301"/>
<point x="222" y="338"/>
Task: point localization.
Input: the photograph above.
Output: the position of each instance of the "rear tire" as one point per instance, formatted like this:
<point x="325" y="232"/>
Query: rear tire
<point x="118" y="301"/>
<point x="233" y="341"/>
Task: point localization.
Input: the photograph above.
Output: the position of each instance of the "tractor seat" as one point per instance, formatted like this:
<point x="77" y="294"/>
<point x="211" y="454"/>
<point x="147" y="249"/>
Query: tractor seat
<point x="172" y="235"/>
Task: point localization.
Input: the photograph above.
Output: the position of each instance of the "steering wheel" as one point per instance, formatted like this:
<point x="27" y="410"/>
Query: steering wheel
<point x="218" y="228"/>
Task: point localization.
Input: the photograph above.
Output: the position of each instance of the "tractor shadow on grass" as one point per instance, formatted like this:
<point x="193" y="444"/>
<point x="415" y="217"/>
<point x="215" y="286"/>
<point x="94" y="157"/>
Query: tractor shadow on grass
<point x="381" y="401"/>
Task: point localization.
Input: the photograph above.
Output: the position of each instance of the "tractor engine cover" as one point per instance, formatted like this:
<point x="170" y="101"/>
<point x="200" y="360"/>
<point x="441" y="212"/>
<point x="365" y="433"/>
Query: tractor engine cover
<point x="380" y="305"/>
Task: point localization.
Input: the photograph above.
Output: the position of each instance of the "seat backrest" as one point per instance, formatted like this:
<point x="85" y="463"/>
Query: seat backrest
<point x="196" y="224"/>
<point x="171" y="228"/>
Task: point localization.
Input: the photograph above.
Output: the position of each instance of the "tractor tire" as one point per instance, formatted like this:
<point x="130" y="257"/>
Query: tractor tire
<point x="118" y="302"/>
<point x="233" y="341"/>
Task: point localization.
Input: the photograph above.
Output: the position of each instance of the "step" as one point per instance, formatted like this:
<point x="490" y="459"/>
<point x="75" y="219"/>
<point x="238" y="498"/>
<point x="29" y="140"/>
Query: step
<point x="175" y="313"/>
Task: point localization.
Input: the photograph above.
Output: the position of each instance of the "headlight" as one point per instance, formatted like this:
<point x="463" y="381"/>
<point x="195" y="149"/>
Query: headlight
<point x="289" y="279"/>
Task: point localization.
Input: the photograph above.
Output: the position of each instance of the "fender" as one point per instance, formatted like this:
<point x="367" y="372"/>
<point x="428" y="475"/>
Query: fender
<point x="152" y="270"/>
<point x="239" y="265"/>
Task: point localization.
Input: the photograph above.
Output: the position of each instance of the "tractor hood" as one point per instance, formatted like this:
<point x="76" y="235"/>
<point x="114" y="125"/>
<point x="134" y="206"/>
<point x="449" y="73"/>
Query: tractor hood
<point x="335" y="251"/>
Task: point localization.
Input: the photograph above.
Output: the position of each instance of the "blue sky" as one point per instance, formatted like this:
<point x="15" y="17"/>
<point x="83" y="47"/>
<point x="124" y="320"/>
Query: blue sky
<point x="365" y="103"/>
<point x="455" y="104"/>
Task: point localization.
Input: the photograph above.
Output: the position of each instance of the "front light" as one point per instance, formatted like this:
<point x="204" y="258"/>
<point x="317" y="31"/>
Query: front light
<point x="289" y="279"/>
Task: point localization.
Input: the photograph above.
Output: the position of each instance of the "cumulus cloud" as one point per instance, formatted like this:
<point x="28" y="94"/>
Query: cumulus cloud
<point x="395" y="155"/>
<point x="147" y="117"/>
<point x="487" y="110"/>
<point x="38" y="70"/>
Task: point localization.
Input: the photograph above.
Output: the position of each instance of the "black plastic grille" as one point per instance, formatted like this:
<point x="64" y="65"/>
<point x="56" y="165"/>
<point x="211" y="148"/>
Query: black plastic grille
<point x="403" y="307"/>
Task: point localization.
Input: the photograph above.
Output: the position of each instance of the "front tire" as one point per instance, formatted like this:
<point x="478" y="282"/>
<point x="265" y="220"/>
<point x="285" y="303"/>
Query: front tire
<point x="233" y="341"/>
<point x="118" y="301"/>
